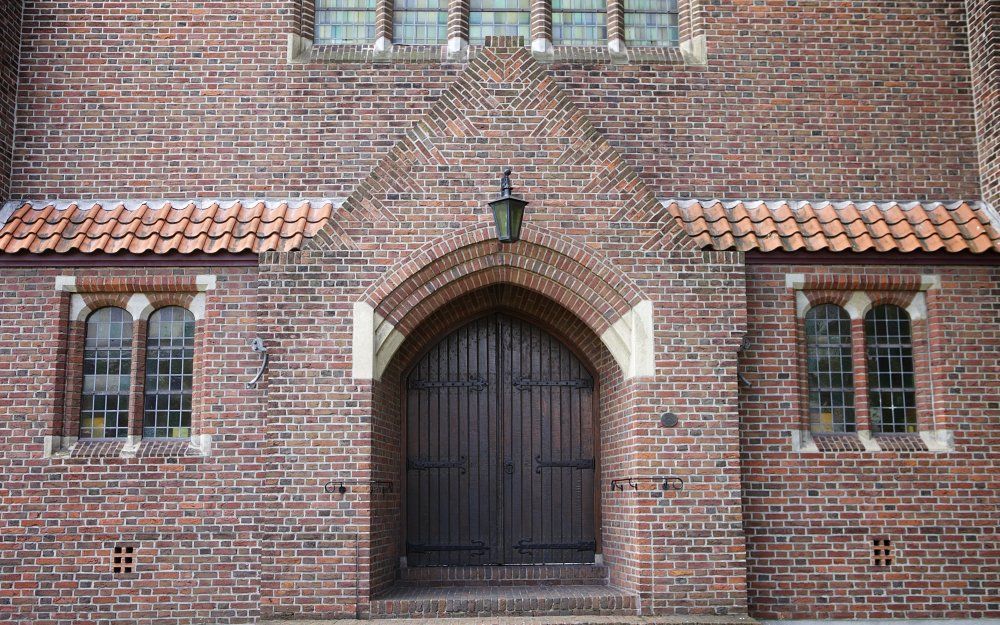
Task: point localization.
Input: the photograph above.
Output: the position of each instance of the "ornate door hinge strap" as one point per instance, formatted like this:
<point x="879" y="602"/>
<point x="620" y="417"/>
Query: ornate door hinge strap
<point x="579" y="463"/>
<point x="525" y="382"/>
<point x="418" y="464"/>
<point x="477" y="547"/>
<point x="475" y="384"/>
<point x="525" y="545"/>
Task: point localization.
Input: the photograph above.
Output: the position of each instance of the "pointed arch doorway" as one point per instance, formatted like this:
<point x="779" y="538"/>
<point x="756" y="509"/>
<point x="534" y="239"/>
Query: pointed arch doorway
<point x="501" y="449"/>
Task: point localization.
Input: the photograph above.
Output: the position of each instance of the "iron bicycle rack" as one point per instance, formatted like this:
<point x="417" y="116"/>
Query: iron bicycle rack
<point x="668" y="482"/>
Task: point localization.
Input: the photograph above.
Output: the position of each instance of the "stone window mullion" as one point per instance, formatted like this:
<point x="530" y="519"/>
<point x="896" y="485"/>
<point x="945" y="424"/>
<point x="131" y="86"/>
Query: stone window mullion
<point x="860" y="360"/>
<point x="616" y="25"/>
<point x="541" y="26"/>
<point x="138" y="381"/>
<point x="383" y="24"/>
<point x="458" y="25"/>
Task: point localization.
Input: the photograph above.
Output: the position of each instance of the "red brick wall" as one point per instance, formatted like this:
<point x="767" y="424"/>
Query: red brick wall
<point x="810" y="517"/>
<point x="984" y="46"/>
<point x="194" y="519"/>
<point x="802" y="99"/>
<point x="10" y="42"/>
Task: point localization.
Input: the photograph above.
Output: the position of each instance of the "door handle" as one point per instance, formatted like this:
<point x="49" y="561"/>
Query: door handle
<point x="508" y="467"/>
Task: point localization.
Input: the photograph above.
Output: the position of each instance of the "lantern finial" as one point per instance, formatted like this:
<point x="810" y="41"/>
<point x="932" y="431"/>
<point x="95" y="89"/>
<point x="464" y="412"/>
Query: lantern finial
<point x="505" y="186"/>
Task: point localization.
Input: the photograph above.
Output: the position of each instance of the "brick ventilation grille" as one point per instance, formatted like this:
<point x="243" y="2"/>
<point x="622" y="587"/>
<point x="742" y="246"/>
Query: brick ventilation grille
<point x="122" y="559"/>
<point x="882" y="552"/>
<point x="838" y="442"/>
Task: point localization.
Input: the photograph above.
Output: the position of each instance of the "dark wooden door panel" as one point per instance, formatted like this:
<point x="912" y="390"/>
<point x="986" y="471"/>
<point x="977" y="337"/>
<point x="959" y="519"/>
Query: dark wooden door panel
<point x="500" y="449"/>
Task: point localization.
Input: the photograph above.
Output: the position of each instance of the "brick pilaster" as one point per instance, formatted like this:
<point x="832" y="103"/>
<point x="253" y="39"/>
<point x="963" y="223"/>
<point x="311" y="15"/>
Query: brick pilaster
<point x="616" y="25"/>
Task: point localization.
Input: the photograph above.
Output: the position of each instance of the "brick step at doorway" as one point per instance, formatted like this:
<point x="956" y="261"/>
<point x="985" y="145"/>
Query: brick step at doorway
<point x="509" y="575"/>
<point x="421" y="601"/>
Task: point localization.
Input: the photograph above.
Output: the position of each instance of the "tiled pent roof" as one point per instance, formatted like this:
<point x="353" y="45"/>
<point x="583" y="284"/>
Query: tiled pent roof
<point x="211" y="226"/>
<point x="839" y="226"/>
<point x="162" y="226"/>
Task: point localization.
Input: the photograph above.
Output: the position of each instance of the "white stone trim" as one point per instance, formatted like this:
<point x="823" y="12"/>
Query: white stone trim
<point x="858" y="305"/>
<point x="542" y="46"/>
<point x="630" y="341"/>
<point x="938" y="440"/>
<point x="298" y="48"/>
<point x="930" y="281"/>
<point x="382" y="44"/>
<point x="802" y="440"/>
<point x="197" y="306"/>
<point x="695" y="50"/>
<point x="456" y="45"/>
<point x="202" y="443"/>
<point x="205" y="282"/>
<point x="78" y="309"/>
<point x="374" y="343"/>
<point x="795" y="281"/>
<point x="802" y="304"/>
<point x="918" y="307"/>
<point x="66" y="283"/>
<point x="866" y="438"/>
<point x="139" y="307"/>
<point x="616" y="46"/>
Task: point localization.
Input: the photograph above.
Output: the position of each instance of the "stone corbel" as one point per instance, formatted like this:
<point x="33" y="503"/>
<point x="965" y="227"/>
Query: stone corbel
<point x="374" y="343"/>
<point x="630" y="341"/>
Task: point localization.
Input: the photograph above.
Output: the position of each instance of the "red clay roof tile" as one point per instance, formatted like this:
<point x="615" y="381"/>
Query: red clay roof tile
<point x="826" y="226"/>
<point x="161" y="227"/>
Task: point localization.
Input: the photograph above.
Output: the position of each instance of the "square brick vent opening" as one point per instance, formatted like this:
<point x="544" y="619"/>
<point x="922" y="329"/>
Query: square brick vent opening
<point x="122" y="559"/>
<point x="882" y="552"/>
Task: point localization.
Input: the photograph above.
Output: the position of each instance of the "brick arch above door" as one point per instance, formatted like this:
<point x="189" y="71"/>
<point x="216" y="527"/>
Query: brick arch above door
<point x="574" y="277"/>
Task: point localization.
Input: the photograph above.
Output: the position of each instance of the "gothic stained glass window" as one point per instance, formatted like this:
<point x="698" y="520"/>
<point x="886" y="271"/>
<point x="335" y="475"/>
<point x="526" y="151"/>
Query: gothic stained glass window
<point x="651" y="23"/>
<point x="345" y="21"/>
<point x="420" y="22"/>
<point x="579" y="22"/>
<point x="830" y="369"/>
<point x="499" y="18"/>
<point x="107" y="374"/>
<point x="169" y="373"/>
<point x="891" y="381"/>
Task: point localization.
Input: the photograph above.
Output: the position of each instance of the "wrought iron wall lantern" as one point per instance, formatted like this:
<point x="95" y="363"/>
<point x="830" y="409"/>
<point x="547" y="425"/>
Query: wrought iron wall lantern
<point x="508" y="211"/>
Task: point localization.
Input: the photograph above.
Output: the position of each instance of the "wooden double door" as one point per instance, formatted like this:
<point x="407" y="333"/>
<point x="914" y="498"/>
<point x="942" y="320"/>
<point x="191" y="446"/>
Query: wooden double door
<point x="500" y="449"/>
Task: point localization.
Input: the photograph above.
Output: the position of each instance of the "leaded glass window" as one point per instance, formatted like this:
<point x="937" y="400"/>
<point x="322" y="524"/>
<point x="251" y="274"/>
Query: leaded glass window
<point x="107" y="374"/>
<point x="891" y="381"/>
<point x="830" y="368"/>
<point x="169" y="373"/>
<point x="345" y="21"/>
<point x="579" y="22"/>
<point x="420" y="22"/>
<point x="499" y="18"/>
<point x="651" y="22"/>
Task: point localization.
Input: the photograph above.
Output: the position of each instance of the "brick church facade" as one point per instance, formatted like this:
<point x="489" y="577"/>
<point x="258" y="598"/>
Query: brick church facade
<point x="263" y="356"/>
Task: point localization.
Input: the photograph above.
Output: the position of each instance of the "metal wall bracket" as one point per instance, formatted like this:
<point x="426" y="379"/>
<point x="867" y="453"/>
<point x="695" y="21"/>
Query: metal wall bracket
<point x="257" y="345"/>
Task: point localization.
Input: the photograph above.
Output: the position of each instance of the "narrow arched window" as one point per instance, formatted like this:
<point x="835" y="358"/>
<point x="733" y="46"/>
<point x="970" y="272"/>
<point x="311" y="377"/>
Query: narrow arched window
<point x="107" y="374"/>
<point x="489" y="18"/>
<point x="891" y="382"/>
<point x="420" y="22"/>
<point x="169" y="373"/>
<point x="345" y="21"/>
<point x="831" y="374"/>
<point x="651" y="22"/>
<point x="579" y="22"/>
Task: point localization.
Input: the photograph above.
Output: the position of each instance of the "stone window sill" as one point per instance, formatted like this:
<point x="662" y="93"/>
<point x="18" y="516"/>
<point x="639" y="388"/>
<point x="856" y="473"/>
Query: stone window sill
<point x="304" y="51"/>
<point x="71" y="448"/>
<point x="933" y="441"/>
